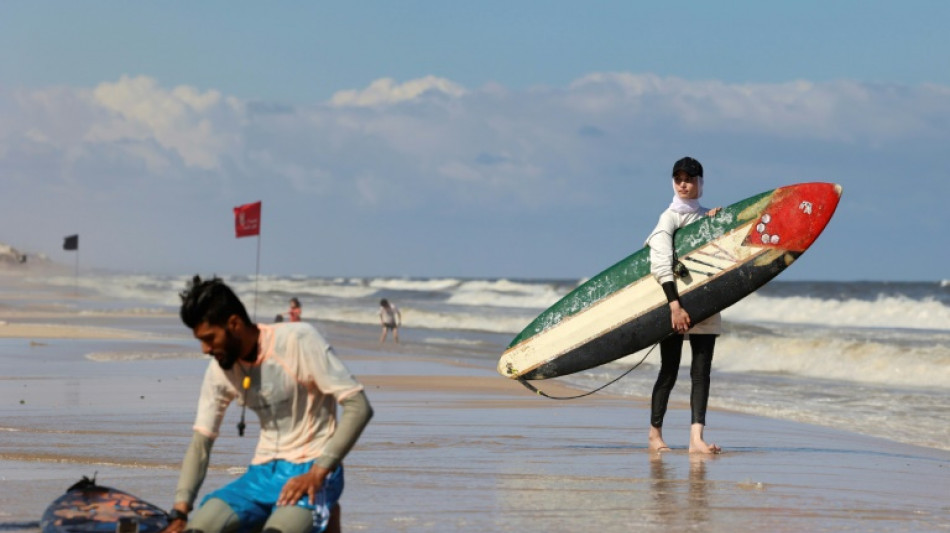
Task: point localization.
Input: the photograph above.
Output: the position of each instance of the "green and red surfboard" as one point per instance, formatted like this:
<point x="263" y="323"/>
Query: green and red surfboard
<point x="623" y="309"/>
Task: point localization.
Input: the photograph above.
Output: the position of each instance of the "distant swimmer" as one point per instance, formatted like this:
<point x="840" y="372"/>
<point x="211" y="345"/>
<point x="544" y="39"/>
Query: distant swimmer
<point x="685" y="208"/>
<point x="390" y="318"/>
<point x="293" y="314"/>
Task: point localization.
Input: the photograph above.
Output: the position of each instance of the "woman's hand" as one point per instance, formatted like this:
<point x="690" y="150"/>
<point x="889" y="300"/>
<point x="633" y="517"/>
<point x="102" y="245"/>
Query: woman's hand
<point x="713" y="212"/>
<point x="679" y="318"/>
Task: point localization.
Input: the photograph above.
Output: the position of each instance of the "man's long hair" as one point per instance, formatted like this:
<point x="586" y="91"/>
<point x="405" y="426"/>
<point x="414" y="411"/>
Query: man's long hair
<point x="210" y="301"/>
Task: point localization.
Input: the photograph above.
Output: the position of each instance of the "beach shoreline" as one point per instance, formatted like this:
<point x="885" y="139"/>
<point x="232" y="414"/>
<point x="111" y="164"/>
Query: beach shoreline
<point x="452" y="447"/>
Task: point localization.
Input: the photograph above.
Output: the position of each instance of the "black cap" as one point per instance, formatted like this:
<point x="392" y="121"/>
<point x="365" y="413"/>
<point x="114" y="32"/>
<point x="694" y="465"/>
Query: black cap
<point x="688" y="165"/>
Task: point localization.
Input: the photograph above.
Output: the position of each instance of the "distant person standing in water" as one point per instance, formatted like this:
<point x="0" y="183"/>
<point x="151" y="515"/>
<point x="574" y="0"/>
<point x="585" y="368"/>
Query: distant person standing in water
<point x="685" y="208"/>
<point x="390" y="318"/>
<point x="293" y="314"/>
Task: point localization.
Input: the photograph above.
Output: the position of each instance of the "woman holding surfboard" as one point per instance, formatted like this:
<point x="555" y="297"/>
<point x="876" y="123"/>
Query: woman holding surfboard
<point x="685" y="208"/>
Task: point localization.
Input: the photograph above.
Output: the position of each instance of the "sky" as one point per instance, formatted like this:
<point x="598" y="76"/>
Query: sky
<point x="515" y="139"/>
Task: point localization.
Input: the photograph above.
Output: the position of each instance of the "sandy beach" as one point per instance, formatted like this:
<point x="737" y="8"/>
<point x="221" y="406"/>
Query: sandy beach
<point x="452" y="447"/>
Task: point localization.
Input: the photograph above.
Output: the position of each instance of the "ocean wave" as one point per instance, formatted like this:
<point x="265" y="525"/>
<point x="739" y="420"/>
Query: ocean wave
<point x="157" y="290"/>
<point x="126" y="311"/>
<point x="884" y="312"/>
<point x="303" y="288"/>
<point x="504" y="305"/>
<point x="538" y="302"/>
<point x="454" y="341"/>
<point x="845" y="359"/>
<point x="413" y="317"/>
<point x="397" y="284"/>
<point x="503" y="293"/>
<point x="107" y="357"/>
<point x="504" y="286"/>
<point x="818" y="357"/>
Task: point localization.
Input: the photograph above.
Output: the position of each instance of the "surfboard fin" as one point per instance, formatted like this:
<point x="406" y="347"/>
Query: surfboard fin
<point x="127" y="525"/>
<point x="84" y="483"/>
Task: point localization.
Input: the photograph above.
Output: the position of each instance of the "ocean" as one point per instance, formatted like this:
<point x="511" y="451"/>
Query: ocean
<point x="868" y="357"/>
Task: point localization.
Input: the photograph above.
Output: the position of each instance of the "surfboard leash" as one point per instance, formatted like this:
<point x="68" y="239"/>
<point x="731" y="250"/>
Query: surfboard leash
<point x="540" y="392"/>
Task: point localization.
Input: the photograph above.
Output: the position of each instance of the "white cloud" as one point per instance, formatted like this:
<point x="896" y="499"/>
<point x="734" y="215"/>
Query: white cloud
<point x="583" y="158"/>
<point x="305" y="177"/>
<point x="488" y="143"/>
<point x="385" y="91"/>
<point x="181" y="120"/>
<point x="370" y="190"/>
<point x="37" y="136"/>
<point x="835" y="111"/>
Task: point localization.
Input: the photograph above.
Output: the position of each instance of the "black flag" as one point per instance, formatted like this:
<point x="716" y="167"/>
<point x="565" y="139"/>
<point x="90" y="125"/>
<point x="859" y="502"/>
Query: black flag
<point x="71" y="242"/>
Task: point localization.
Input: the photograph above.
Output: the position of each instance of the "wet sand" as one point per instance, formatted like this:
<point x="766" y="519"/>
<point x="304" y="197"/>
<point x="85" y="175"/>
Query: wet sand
<point x="452" y="447"/>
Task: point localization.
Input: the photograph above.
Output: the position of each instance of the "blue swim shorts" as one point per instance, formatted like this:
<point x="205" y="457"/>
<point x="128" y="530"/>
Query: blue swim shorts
<point x="253" y="496"/>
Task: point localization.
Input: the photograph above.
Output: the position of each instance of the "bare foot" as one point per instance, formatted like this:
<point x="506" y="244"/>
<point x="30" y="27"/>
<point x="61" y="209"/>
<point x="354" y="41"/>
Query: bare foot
<point x="657" y="444"/>
<point x="702" y="447"/>
<point x="696" y="442"/>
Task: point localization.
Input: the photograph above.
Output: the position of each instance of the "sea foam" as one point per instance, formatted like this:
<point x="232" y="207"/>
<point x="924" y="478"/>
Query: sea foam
<point x="883" y="312"/>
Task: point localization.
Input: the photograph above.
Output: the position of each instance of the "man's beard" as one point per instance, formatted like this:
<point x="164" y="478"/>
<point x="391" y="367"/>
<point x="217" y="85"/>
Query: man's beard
<point x="232" y="352"/>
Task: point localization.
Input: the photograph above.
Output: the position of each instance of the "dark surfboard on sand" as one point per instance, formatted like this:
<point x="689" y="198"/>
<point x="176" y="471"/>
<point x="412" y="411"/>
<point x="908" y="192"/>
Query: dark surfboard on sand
<point x="90" y="508"/>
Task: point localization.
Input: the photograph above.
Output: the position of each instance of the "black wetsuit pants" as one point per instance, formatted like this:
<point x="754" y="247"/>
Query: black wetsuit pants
<point x="671" y="351"/>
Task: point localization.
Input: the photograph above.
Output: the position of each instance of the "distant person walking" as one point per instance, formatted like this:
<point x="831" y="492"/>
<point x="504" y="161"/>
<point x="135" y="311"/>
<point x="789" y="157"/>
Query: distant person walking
<point x="390" y="318"/>
<point x="293" y="314"/>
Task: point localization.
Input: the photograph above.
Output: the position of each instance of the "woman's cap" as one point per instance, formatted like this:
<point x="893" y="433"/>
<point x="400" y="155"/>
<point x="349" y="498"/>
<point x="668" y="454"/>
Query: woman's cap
<point x="688" y="165"/>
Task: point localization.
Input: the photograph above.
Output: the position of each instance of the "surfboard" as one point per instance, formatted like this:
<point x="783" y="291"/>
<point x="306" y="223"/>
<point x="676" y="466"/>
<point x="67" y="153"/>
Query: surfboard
<point x="90" y="508"/>
<point x="623" y="309"/>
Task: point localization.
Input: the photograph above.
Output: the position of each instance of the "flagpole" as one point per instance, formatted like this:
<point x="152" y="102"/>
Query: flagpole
<point x="71" y="244"/>
<point x="257" y="274"/>
<point x="247" y="222"/>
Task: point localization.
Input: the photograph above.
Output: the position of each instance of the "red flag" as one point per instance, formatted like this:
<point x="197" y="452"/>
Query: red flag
<point x="247" y="220"/>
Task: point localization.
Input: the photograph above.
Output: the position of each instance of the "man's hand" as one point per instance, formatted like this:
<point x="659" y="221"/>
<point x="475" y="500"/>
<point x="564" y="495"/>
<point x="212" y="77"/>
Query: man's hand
<point x="175" y="526"/>
<point x="178" y="519"/>
<point x="309" y="484"/>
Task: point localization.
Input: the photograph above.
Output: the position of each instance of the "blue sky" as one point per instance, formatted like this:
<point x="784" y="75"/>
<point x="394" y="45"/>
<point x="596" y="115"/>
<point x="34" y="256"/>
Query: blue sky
<point x="503" y="139"/>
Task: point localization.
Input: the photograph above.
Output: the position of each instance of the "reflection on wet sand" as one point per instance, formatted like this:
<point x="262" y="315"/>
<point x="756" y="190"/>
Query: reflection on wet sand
<point x="680" y="503"/>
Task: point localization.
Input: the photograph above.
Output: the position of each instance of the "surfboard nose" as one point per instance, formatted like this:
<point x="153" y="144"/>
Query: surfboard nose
<point x="795" y="216"/>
